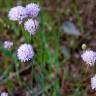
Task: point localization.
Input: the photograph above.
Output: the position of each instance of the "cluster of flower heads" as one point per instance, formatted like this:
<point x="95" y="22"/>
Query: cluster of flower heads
<point x="31" y="26"/>
<point x="29" y="13"/>
<point x="3" y="94"/>
<point x="8" y="44"/>
<point x="25" y="52"/>
<point x="89" y="57"/>
<point x="26" y="16"/>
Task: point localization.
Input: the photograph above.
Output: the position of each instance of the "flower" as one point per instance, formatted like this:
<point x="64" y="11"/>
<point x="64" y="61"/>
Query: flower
<point x="89" y="57"/>
<point x="31" y="26"/>
<point x="17" y="13"/>
<point x="4" y="94"/>
<point x="93" y="82"/>
<point x="25" y="52"/>
<point x="8" y="44"/>
<point x="32" y="10"/>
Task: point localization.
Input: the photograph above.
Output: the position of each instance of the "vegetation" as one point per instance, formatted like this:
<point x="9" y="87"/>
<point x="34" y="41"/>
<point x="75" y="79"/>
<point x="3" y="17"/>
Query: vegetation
<point x="56" y="68"/>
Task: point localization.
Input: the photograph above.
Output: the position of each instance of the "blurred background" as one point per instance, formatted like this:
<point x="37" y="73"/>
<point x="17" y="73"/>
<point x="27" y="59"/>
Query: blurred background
<point x="56" y="69"/>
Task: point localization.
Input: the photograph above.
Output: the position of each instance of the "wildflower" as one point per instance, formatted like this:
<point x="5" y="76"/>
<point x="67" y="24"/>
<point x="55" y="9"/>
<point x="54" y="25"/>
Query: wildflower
<point x="31" y="26"/>
<point x="89" y="57"/>
<point x="32" y="10"/>
<point x="8" y="44"/>
<point x="93" y="82"/>
<point x="25" y="52"/>
<point x="17" y="13"/>
<point x="4" y="94"/>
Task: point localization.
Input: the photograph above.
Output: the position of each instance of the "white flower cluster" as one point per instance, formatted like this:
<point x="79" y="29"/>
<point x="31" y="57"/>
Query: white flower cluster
<point x="28" y="16"/>
<point x="21" y="14"/>
<point x="89" y="57"/>
<point x="32" y="10"/>
<point x="4" y="94"/>
<point x="31" y="26"/>
<point x="25" y="52"/>
<point x="17" y="13"/>
<point x="93" y="82"/>
<point x="8" y="44"/>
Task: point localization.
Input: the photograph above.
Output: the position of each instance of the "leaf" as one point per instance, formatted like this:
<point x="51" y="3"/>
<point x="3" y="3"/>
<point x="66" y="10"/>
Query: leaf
<point x="70" y="29"/>
<point x="7" y="53"/>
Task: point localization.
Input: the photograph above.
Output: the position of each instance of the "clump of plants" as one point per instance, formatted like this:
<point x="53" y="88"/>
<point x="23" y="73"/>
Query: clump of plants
<point x="27" y="17"/>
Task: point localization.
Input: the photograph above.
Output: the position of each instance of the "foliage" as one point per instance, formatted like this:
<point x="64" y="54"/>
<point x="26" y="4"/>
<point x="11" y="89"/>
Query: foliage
<point x="55" y="69"/>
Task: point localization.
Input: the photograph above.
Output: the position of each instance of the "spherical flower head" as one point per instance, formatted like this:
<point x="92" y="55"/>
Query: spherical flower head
<point x="32" y="10"/>
<point x="8" y="44"/>
<point x="17" y="13"/>
<point x="93" y="82"/>
<point x="31" y="26"/>
<point x="25" y="52"/>
<point x="89" y="57"/>
<point x="4" y="94"/>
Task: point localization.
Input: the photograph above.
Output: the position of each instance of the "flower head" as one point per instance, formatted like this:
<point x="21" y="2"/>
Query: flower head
<point x="25" y="52"/>
<point x="4" y="94"/>
<point x="31" y="26"/>
<point x="89" y="57"/>
<point x="8" y="44"/>
<point x="93" y="82"/>
<point x="17" y="13"/>
<point x="32" y="10"/>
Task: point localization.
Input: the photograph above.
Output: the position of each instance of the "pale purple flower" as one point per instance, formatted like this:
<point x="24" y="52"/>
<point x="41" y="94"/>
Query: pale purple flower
<point x="89" y="57"/>
<point x="32" y="10"/>
<point x="8" y="44"/>
<point x="4" y="94"/>
<point x="17" y="13"/>
<point x="31" y="26"/>
<point x="25" y="52"/>
<point x="93" y="82"/>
